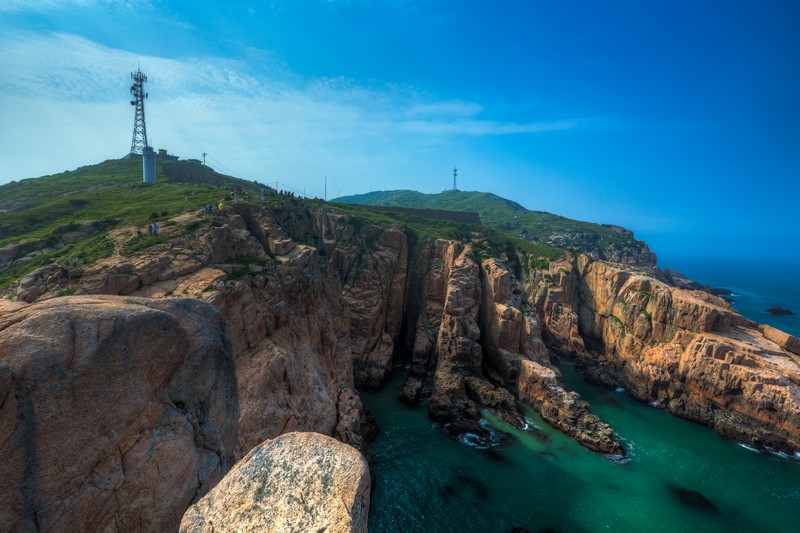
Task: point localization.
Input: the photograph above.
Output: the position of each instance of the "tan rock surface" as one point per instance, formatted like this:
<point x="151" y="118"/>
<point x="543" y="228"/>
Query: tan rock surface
<point x="115" y="413"/>
<point x="340" y="297"/>
<point x="288" y="322"/>
<point x="689" y="351"/>
<point x="372" y="270"/>
<point x="513" y="349"/>
<point x="296" y="482"/>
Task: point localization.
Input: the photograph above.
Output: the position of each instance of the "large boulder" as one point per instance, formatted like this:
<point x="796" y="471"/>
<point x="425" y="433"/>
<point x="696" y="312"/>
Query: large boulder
<point x="296" y="482"/>
<point x="115" y="413"/>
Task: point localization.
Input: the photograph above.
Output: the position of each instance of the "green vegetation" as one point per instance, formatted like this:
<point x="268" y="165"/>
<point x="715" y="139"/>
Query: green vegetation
<point x="486" y="242"/>
<point x="112" y="192"/>
<point x="92" y="249"/>
<point x="58" y="217"/>
<point x="511" y="218"/>
<point x="647" y="314"/>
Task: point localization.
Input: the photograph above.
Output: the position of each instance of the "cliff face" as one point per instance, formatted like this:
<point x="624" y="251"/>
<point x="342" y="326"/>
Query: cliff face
<point x="109" y="404"/>
<point x="516" y="354"/>
<point x="319" y="303"/>
<point x="474" y="345"/>
<point x="686" y="350"/>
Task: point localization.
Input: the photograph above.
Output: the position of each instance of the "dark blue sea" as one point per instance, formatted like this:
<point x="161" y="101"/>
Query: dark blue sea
<point x="679" y="476"/>
<point x="757" y="284"/>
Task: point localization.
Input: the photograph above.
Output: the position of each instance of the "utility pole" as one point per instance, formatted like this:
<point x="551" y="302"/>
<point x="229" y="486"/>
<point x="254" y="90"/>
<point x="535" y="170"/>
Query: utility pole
<point x="326" y="187"/>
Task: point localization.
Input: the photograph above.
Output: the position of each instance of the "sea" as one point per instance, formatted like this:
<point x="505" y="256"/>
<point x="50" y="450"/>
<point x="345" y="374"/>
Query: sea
<point x="678" y="475"/>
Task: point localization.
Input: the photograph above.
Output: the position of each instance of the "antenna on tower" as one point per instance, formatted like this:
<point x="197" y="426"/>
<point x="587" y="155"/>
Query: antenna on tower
<point x="139" y="140"/>
<point x="455" y="173"/>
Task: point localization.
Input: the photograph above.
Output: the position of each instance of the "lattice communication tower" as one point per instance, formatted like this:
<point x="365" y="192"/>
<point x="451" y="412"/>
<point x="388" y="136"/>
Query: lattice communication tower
<point x="139" y="140"/>
<point x="455" y="173"/>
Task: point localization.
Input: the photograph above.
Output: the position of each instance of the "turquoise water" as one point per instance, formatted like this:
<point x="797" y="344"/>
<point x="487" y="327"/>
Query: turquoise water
<point x="425" y="481"/>
<point x="679" y="476"/>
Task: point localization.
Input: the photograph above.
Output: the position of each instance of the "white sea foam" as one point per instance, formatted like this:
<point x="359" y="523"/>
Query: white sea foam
<point x="473" y="440"/>
<point x="655" y="404"/>
<point x="620" y="389"/>
<point x="747" y="447"/>
<point x="617" y="459"/>
<point x="530" y="425"/>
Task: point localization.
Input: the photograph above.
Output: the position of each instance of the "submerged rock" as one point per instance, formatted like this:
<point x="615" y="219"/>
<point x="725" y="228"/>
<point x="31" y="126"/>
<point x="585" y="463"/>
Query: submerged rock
<point x="692" y="498"/>
<point x="296" y="482"/>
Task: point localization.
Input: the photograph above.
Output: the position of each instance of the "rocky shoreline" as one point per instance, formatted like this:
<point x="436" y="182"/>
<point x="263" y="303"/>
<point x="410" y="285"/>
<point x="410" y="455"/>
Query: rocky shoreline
<point x="298" y="309"/>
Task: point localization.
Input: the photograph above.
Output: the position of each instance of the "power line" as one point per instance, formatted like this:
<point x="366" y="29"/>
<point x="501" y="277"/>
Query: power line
<point x="222" y="165"/>
<point x="287" y="187"/>
<point x="278" y="185"/>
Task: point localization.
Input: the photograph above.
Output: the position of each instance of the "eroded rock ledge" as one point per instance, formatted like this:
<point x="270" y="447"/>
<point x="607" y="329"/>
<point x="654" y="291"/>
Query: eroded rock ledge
<point x="688" y="351"/>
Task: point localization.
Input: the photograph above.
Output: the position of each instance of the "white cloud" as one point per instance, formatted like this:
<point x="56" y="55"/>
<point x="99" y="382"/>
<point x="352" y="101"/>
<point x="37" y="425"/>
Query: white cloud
<point x="16" y="6"/>
<point x="66" y="100"/>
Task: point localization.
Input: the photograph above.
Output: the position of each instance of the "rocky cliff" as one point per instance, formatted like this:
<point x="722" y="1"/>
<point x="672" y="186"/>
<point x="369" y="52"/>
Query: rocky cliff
<point x="115" y="413"/>
<point x="318" y="303"/>
<point x="687" y="351"/>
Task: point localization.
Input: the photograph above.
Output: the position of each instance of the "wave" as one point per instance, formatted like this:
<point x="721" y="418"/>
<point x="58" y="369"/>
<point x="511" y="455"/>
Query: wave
<point x="748" y="447"/>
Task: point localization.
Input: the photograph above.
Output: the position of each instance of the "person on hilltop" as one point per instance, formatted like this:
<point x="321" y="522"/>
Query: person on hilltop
<point x="65" y="272"/>
<point x="139" y="232"/>
<point x="155" y="230"/>
<point x="150" y="230"/>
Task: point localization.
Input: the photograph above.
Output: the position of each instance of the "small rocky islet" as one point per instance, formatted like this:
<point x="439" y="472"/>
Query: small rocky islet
<point x="780" y="311"/>
<point x="238" y="344"/>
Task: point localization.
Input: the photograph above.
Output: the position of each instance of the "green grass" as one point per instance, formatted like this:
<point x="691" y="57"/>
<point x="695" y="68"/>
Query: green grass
<point x="111" y="191"/>
<point x="38" y="213"/>
<point x="486" y="242"/>
<point x="94" y="248"/>
<point x="510" y="218"/>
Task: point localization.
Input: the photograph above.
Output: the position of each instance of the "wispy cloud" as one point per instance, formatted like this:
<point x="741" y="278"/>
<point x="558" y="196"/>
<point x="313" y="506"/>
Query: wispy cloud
<point x="268" y="123"/>
<point x="17" y="6"/>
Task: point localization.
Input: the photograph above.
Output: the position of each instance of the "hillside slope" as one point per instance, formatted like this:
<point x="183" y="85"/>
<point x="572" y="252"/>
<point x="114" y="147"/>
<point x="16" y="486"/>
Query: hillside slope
<point x="53" y="218"/>
<point x="602" y="241"/>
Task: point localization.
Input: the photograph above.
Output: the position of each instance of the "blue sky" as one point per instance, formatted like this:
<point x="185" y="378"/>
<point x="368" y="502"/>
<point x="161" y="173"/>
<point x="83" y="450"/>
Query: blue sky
<point x="679" y="120"/>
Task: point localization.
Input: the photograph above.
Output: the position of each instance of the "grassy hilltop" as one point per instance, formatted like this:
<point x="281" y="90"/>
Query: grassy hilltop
<point x="69" y="214"/>
<point x="512" y="219"/>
